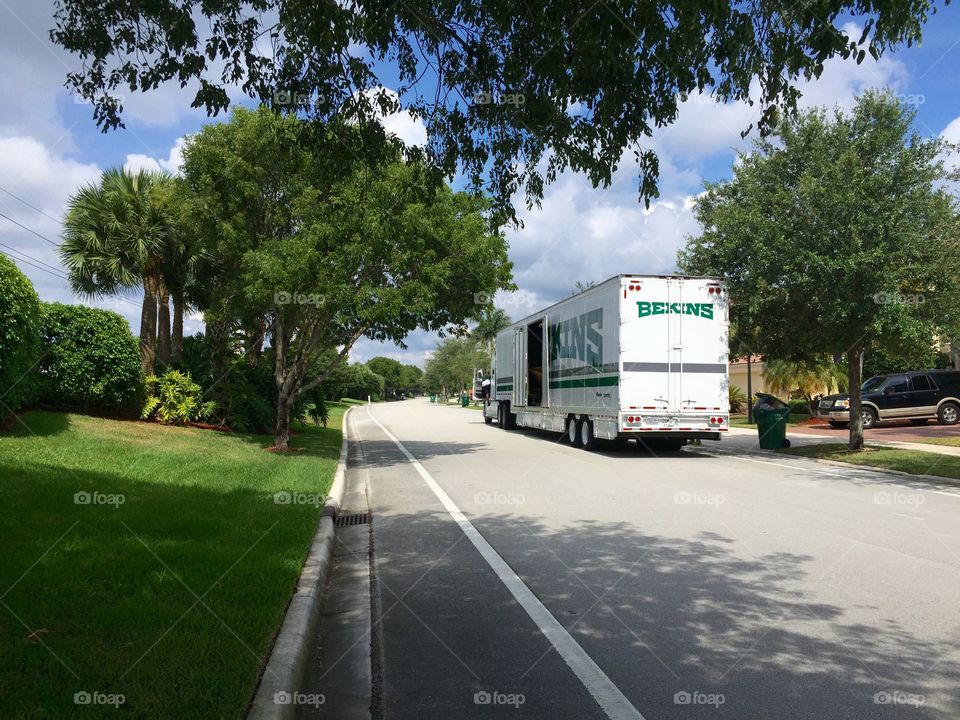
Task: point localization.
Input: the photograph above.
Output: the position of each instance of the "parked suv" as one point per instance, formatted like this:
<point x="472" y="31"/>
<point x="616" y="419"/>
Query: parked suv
<point x="915" y="396"/>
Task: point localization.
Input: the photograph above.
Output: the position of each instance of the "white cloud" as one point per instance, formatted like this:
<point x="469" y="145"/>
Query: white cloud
<point x="410" y="130"/>
<point x="136" y="161"/>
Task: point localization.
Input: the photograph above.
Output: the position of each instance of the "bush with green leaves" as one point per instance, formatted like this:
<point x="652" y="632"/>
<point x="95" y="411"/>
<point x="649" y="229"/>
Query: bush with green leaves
<point x="90" y="362"/>
<point x="19" y="337"/>
<point x="175" y="399"/>
<point x="738" y="399"/>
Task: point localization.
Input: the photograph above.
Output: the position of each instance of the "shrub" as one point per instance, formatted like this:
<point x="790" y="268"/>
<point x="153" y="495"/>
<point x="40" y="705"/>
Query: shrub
<point x="175" y="399"/>
<point x="317" y="409"/>
<point x="19" y="337"/>
<point x="799" y="407"/>
<point x="91" y="361"/>
<point x="738" y="399"/>
<point x="248" y="394"/>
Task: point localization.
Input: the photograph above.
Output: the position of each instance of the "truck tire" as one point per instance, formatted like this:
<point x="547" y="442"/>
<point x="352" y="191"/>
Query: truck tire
<point x="588" y="440"/>
<point x="487" y="420"/>
<point x="572" y="433"/>
<point x="948" y="414"/>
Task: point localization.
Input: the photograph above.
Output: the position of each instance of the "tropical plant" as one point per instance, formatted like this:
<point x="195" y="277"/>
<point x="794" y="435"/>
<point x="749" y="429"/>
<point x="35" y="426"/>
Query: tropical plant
<point x="490" y="321"/>
<point x="115" y="235"/>
<point x="738" y="399"/>
<point x="175" y="399"/>
<point x="90" y="360"/>
<point x="807" y="381"/>
<point x="19" y="336"/>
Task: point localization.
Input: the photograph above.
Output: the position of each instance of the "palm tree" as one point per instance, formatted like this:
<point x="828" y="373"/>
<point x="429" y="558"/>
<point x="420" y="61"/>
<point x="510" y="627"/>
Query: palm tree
<point x="490" y="321"/>
<point x="115" y="236"/>
<point x="807" y="380"/>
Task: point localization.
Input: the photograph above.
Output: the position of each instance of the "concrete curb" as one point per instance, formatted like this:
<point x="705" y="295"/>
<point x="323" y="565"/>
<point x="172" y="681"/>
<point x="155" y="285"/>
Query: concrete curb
<point x="288" y="659"/>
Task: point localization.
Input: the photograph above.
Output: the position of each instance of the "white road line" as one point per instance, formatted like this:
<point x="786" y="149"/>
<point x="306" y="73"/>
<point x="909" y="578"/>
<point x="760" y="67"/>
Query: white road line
<point x="601" y="687"/>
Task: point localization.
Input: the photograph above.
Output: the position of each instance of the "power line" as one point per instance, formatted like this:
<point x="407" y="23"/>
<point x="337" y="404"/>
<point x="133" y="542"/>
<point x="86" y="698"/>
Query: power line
<point x="36" y="267"/>
<point x="30" y="260"/>
<point x="19" y="224"/>
<point x="36" y="260"/>
<point x="32" y="207"/>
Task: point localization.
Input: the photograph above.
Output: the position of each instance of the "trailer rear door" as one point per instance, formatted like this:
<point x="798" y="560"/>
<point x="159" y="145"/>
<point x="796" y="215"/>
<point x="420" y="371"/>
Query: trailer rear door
<point x="673" y="344"/>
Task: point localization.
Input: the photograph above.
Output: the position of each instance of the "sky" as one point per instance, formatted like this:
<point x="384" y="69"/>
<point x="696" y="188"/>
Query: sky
<point x="50" y="147"/>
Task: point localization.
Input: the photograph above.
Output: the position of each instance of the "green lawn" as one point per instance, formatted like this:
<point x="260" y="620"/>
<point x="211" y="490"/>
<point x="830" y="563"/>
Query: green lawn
<point x="916" y="462"/>
<point x="955" y="441"/>
<point x="169" y="585"/>
<point x="741" y="420"/>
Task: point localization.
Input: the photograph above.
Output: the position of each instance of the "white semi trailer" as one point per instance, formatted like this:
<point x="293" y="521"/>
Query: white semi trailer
<point x="637" y="356"/>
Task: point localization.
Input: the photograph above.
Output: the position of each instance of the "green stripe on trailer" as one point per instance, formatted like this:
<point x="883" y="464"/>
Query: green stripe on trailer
<point x="586" y="382"/>
<point x="504" y="388"/>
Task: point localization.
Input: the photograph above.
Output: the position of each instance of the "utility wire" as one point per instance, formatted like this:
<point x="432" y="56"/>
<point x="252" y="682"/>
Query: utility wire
<point x="32" y="207"/>
<point x="31" y="261"/>
<point x="42" y="237"/>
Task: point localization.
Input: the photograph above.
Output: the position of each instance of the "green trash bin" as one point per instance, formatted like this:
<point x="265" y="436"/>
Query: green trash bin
<point x="464" y="401"/>
<point x="772" y="427"/>
<point x="433" y="398"/>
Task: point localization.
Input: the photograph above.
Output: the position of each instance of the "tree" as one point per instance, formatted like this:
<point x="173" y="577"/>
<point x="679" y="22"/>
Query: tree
<point x="450" y="370"/>
<point x="115" y="237"/>
<point x="323" y="249"/>
<point x="491" y="320"/>
<point x="412" y="379"/>
<point x="559" y="84"/>
<point x="392" y="372"/>
<point x="830" y="236"/>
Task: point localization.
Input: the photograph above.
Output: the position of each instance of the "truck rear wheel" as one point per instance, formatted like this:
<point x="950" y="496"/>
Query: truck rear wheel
<point x="587" y="439"/>
<point x="572" y="433"/>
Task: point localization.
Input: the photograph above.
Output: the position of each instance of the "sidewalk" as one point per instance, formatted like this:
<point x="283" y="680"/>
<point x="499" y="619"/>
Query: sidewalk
<point x="809" y="438"/>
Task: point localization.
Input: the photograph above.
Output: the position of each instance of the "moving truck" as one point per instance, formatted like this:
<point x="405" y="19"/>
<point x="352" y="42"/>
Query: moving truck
<point x="637" y="356"/>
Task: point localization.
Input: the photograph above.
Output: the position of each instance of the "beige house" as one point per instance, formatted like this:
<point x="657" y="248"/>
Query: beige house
<point x="738" y="374"/>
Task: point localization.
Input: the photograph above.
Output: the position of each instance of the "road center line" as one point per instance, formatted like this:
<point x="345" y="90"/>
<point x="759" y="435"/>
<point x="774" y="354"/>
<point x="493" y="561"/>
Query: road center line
<point x="604" y="691"/>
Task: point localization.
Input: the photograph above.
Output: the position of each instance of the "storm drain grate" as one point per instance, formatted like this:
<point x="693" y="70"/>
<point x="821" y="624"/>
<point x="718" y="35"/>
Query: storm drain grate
<point x="352" y="519"/>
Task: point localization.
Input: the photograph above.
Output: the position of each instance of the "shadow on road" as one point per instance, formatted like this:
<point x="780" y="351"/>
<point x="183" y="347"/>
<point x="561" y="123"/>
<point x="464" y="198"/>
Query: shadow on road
<point x="662" y="616"/>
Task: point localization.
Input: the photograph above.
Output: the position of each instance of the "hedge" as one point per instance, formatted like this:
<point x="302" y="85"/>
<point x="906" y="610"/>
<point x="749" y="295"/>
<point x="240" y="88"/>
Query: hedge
<point x="19" y="337"/>
<point x="91" y="361"/>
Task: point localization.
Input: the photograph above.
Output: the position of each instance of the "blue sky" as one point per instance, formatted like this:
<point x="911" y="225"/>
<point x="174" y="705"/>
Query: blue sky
<point x="49" y="146"/>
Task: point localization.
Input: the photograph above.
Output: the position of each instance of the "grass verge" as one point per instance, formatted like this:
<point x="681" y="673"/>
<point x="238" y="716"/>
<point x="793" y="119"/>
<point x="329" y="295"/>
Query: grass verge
<point x="915" y="462"/>
<point x="954" y="441"/>
<point x="147" y="561"/>
<point x="741" y="420"/>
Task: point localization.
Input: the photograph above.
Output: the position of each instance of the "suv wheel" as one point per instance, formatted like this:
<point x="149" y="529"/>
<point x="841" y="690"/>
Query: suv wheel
<point x="869" y="416"/>
<point x="948" y="414"/>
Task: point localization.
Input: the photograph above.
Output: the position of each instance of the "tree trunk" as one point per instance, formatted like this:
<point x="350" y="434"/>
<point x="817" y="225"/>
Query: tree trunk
<point x="254" y="341"/>
<point x="854" y="372"/>
<point x="176" y="336"/>
<point x="148" y="325"/>
<point x="281" y="433"/>
<point x="163" y="323"/>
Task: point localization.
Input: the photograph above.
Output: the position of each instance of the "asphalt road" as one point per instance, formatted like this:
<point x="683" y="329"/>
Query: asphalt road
<point x="517" y="577"/>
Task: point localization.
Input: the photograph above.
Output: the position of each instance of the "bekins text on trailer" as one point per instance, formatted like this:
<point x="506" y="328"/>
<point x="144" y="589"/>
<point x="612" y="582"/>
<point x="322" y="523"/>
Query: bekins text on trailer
<point x="637" y="356"/>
